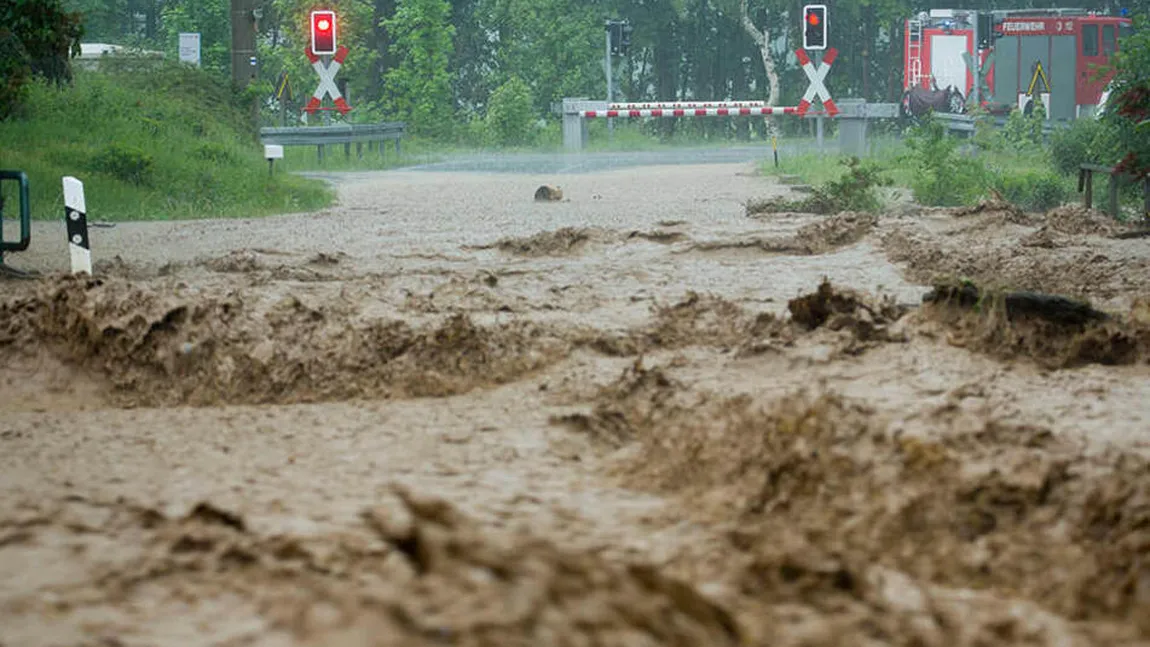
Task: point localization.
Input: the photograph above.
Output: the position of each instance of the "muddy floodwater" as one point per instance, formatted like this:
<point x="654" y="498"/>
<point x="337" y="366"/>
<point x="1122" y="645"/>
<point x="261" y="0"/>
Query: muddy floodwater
<point x="444" y="413"/>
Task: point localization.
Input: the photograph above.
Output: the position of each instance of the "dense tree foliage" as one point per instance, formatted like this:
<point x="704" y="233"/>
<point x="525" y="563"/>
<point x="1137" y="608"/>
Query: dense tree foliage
<point x="458" y="52"/>
<point x="37" y="38"/>
<point x="1129" y="116"/>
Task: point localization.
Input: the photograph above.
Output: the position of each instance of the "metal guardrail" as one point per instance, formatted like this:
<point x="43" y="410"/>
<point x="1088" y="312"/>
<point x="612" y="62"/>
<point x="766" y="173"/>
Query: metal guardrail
<point x="346" y="134"/>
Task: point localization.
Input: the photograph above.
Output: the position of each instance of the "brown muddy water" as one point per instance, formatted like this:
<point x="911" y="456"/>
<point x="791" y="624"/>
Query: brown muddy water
<point x="443" y="413"/>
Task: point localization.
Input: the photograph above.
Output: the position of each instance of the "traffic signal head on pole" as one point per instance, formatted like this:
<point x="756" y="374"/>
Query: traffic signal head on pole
<point x="815" y="26"/>
<point x="323" y="32"/>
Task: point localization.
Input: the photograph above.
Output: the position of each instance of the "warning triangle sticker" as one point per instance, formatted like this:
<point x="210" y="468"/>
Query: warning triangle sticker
<point x="1039" y="73"/>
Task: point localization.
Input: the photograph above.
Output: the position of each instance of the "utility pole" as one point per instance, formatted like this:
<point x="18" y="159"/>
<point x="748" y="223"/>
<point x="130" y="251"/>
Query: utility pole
<point x="610" y="82"/>
<point x="245" y="68"/>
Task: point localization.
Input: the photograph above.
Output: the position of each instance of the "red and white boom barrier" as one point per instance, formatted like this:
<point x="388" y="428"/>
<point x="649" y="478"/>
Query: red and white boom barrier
<point x="671" y="105"/>
<point x="576" y="110"/>
<point x="671" y="110"/>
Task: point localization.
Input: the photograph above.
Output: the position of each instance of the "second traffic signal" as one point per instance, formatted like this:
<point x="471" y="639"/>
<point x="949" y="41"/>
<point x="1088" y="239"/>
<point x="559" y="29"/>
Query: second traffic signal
<point x="323" y="32"/>
<point x="620" y="33"/>
<point x="815" y="26"/>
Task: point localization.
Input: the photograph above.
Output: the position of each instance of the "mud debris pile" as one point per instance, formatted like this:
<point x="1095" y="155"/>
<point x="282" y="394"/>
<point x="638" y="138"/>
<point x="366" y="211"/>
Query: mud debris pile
<point x="1068" y="250"/>
<point x="841" y="532"/>
<point x="1051" y="330"/>
<point x="564" y="241"/>
<point x="159" y="349"/>
<point x="416" y="571"/>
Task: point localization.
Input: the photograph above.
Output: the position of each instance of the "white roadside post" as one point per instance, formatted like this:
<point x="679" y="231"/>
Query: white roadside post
<point x="273" y="152"/>
<point x="76" y="218"/>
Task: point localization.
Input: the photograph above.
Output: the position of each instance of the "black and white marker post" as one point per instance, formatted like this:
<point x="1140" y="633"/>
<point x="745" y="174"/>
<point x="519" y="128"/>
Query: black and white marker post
<point x="76" y="217"/>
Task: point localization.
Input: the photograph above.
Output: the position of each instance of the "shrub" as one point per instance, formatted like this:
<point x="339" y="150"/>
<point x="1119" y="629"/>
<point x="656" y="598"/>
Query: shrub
<point x="125" y="163"/>
<point x="1085" y="141"/>
<point x="1032" y="190"/>
<point x="940" y="175"/>
<point x="987" y="136"/>
<point x="511" y="114"/>
<point x="855" y="190"/>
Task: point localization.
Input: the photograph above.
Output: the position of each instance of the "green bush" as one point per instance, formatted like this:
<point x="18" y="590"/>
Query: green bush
<point x="511" y="114"/>
<point x="1025" y="131"/>
<point x="855" y="190"/>
<point x="1085" y="141"/>
<point x="1032" y="190"/>
<point x="987" y="136"/>
<point x="940" y="175"/>
<point x="125" y="163"/>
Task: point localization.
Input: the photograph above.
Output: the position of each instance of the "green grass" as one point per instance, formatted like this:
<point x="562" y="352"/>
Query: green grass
<point x="1017" y="173"/>
<point x="150" y="142"/>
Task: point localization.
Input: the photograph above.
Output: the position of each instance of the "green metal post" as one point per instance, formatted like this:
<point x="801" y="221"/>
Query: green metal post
<point x="25" y="215"/>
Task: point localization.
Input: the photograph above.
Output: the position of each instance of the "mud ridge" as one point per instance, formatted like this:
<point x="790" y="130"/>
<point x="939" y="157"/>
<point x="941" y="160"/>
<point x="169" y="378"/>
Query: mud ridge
<point x="158" y="349"/>
<point x="568" y="240"/>
<point x="841" y="529"/>
<point x="706" y="320"/>
<point x="1041" y="262"/>
<point x="1051" y="330"/>
<point x="820" y="237"/>
<point x="416" y="571"/>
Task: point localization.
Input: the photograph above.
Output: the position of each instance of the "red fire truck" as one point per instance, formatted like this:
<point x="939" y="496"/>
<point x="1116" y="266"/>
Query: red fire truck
<point x="1024" y="56"/>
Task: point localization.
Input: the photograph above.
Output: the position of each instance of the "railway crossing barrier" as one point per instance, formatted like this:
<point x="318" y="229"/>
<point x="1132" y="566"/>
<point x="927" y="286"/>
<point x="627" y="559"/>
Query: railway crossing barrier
<point x="346" y="134"/>
<point x="577" y="110"/>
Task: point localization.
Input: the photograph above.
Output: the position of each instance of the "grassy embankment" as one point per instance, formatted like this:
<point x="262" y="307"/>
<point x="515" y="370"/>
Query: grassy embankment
<point x="149" y="141"/>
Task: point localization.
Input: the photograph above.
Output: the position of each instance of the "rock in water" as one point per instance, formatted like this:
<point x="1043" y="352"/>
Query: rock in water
<point x="548" y="193"/>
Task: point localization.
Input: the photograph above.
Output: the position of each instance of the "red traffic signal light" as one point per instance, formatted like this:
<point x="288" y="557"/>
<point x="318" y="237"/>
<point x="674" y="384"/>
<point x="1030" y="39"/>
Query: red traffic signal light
<point x="815" y="26"/>
<point x="323" y="32"/>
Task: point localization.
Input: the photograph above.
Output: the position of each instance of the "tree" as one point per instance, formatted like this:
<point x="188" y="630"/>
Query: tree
<point x="419" y="87"/>
<point x="1130" y="115"/>
<point x="37" y="38"/>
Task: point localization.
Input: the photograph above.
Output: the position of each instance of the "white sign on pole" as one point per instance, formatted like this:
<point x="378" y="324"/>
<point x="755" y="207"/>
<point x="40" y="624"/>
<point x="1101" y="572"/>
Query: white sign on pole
<point x="190" y="48"/>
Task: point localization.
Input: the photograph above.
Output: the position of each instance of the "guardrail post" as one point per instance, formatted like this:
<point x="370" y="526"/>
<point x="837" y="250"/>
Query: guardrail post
<point x="1114" y="179"/>
<point x="1146" y="201"/>
<point x="852" y="127"/>
<point x="76" y="223"/>
<point x="575" y="134"/>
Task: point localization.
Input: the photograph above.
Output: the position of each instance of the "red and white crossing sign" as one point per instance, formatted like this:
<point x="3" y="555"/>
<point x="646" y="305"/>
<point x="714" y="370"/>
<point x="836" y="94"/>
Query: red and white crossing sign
<point x="817" y="76"/>
<point x="327" y="81"/>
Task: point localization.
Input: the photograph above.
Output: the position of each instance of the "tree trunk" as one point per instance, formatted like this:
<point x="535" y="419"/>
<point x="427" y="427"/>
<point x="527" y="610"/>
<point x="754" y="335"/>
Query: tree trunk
<point x="762" y="40"/>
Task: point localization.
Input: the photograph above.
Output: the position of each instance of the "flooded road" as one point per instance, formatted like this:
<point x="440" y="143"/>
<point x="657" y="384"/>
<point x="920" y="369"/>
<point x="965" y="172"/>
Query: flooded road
<point x="443" y="413"/>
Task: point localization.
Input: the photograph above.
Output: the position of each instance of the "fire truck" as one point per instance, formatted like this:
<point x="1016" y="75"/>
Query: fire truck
<point x="1053" y="56"/>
